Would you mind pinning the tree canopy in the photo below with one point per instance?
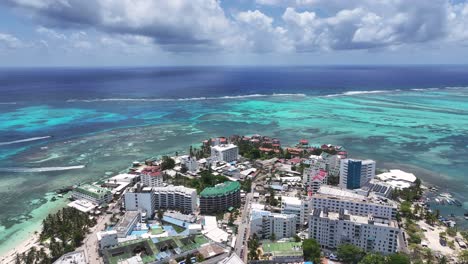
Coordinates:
(311, 249)
(350, 254)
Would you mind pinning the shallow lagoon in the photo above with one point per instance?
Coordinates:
(421, 131)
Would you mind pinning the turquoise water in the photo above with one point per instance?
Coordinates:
(423, 131)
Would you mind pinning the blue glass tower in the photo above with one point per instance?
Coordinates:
(354, 174)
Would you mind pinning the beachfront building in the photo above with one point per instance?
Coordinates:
(226, 153)
(92, 193)
(176, 198)
(354, 174)
(149, 200)
(189, 163)
(331, 229)
(397, 179)
(265, 224)
(220, 197)
(152, 176)
(140, 199)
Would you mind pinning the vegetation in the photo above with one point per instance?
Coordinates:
(333, 180)
(350, 254)
(451, 231)
(311, 249)
(463, 256)
(273, 237)
(409, 194)
(398, 258)
(207, 179)
(65, 229)
(246, 185)
(414, 232)
(253, 245)
(296, 238)
(167, 163)
(160, 214)
(272, 200)
(373, 259)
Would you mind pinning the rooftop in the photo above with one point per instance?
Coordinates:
(344, 194)
(221, 189)
(283, 248)
(359, 219)
(397, 178)
(223, 147)
(75, 257)
(93, 190)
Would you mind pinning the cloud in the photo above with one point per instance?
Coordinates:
(367, 27)
(203, 25)
(9, 41)
(258, 31)
(172, 23)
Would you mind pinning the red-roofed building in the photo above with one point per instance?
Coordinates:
(314, 178)
(151, 176)
(295, 151)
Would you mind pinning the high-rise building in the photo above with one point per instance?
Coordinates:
(226, 153)
(140, 199)
(150, 200)
(354, 174)
(265, 224)
(220, 197)
(371, 234)
(336, 199)
(175, 197)
(151, 176)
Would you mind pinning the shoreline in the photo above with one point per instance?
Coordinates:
(26, 234)
(10, 256)
(20, 240)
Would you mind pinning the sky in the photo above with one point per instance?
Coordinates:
(235, 32)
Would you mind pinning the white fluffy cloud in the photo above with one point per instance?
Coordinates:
(10, 41)
(305, 25)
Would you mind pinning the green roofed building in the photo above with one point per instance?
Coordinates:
(220, 197)
(92, 193)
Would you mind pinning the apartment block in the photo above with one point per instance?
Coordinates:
(371, 234)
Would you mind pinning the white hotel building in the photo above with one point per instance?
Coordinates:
(175, 197)
(265, 224)
(151, 200)
(226, 153)
(332, 229)
(336, 199)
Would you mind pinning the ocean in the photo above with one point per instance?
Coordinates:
(63, 126)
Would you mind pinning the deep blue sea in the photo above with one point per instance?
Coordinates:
(62, 126)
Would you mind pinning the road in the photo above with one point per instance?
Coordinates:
(90, 243)
(243, 232)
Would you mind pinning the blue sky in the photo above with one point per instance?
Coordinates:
(243, 32)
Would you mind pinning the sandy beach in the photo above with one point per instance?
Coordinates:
(31, 241)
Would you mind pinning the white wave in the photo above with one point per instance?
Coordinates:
(23, 140)
(7, 103)
(42, 169)
(361, 92)
(186, 99)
